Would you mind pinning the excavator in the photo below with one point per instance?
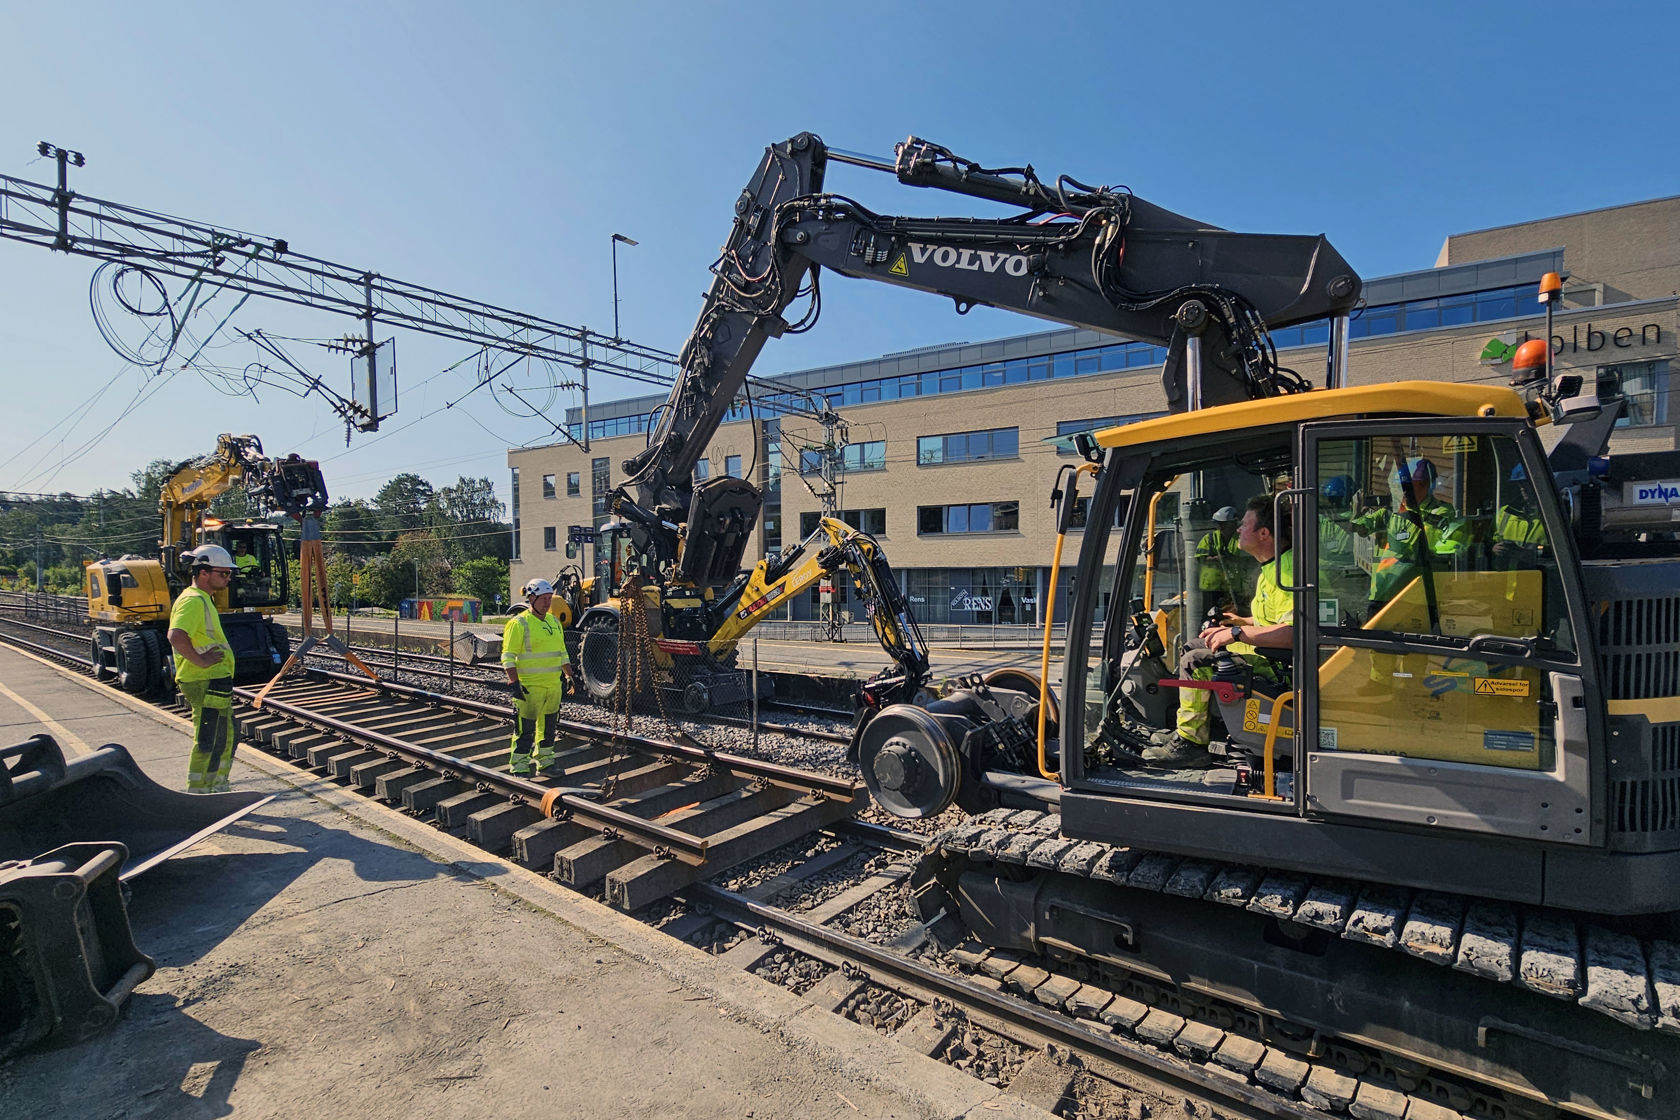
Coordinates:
(1434, 843)
(693, 632)
(129, 598)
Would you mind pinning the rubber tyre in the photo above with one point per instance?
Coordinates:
(96, 654)
(134, 665)
(597, 660)
(155, 648)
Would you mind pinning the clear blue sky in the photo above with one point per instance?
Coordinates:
(492, 150)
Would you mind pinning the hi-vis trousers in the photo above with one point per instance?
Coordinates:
(212, 753)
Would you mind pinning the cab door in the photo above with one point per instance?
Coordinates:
(1438, 605)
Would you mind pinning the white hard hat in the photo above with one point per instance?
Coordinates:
(209, 556)
(538, 587)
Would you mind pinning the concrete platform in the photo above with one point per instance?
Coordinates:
(330, 957)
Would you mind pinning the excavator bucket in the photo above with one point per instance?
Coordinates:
(67, 956)
(47, 801)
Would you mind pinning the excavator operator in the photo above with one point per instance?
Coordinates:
(535, 659)
(1271, 625)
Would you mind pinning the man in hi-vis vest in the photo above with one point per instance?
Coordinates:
(204, 667)
(534, 656)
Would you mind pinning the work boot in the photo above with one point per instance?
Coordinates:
(1179, 754)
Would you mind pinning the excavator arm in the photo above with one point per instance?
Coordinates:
(292, 485)
(1097, 257)
(832, 547)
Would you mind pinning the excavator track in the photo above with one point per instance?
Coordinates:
(1582, 1017)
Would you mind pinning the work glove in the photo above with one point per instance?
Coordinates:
(518, 690)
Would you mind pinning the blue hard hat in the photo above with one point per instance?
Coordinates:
(1337, 489)
(1518, 474)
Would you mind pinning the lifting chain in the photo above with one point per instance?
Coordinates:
(634, 673)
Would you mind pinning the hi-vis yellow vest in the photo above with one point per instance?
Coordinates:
(536, 647)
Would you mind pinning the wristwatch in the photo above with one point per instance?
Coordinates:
(1236, 633)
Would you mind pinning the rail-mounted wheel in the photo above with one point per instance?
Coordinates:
(909, 763)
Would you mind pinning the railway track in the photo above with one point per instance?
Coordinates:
(724, 852)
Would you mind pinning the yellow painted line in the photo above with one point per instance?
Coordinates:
(1660, 709)
(65, 736)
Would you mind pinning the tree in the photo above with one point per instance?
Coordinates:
(383, 582)
(423, 555)
(403, 501)
(483, 578)
(468, 517)
(352, 528)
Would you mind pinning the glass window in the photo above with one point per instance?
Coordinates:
(930, 449)
(1457, 310)
(950, 381)
(1422, 314)
(1436, 535)
(909, 387)
(874, 522)
(1038, 369)
(1644, 384)
(810, 460)
(702, 470)
(971, 377)
(549, 536)
(600, 482)
(956, 519)
(1087, 362)
(732, 466)
(871, 391)
(1314, 334)
(1015, 371)
(930, 519)
(808, 524)
(1006, 443)
(1442, 540)
(1006, 516)
(1287, 337)
(1496, 305)
(548, 486)
(573, 484)
(515, 494)
(1061, 365)
(870, 456)
(1381, 320)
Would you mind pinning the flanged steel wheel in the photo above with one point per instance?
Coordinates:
(909, 763)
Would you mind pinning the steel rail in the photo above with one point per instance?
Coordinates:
(803, 780)
(1240, 1099)
(557, 801)
(495, 681)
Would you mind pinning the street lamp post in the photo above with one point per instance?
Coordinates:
(616, 238)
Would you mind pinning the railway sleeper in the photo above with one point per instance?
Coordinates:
(1293, 950)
